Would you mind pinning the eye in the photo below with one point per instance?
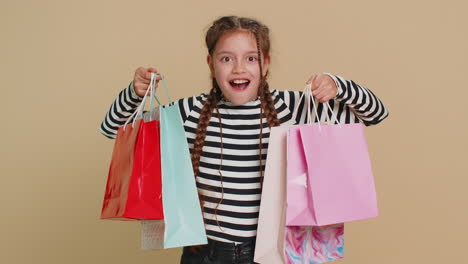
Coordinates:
(252, 58)
(225, 59)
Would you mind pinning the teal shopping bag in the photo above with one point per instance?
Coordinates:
(183, 221)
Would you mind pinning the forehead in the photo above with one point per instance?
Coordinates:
(236, 42)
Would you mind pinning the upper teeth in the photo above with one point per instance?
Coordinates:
(239, 81)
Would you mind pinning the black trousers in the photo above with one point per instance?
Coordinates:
(217, 252)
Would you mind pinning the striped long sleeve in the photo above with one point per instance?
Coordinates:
(352, 104)
(363, 102)
(125, 105)
(121, 109)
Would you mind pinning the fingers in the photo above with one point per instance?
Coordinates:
(142, 79)
(148, 73)
(151, 70)
(318, 82)
(324, 93)
(324, 98)
(323, 88)
(144, 75)
(319, 91)
(313, 80)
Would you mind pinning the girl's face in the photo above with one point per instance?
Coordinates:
(234, 64)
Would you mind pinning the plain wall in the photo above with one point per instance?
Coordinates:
(64, 62)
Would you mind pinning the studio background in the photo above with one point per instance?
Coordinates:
(64, 62)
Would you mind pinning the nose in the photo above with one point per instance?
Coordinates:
(239, 67)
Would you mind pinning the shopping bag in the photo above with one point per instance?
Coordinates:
(329, 177)
(314, 244)
(183, 222)
(269, 246)
(133, 189)
(277, 243)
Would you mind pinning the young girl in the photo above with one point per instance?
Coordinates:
(228, 129)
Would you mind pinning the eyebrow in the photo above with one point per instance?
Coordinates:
(227, 52)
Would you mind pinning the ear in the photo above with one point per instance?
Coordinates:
(266, 64)
(209, 61)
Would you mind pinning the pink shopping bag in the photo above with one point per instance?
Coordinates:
(330, 178)
(276, 242)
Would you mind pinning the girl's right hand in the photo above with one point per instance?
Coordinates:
(142, 80)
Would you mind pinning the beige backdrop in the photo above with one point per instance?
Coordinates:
(63, 62)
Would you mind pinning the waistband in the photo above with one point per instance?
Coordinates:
(231, 246)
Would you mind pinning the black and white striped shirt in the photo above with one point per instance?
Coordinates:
(237, 215)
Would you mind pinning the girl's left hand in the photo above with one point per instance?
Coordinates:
(323, 87)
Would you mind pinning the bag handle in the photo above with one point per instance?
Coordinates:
(307, 93)
(154, 80)
(151, 89)
(153, 95)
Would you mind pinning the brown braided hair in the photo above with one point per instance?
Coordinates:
(218, 28)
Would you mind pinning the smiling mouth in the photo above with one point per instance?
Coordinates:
(239, 86)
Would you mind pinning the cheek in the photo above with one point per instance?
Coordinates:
(221, 72)
(254, 68)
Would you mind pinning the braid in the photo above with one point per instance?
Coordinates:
(203, 122)
(206, 112)
(269, 108)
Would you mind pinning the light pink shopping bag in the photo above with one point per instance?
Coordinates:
(269, 247)
(339, 173)
(329, 171)
(276, 242)
(299, 205)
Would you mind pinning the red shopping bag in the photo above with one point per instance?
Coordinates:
(134, 187)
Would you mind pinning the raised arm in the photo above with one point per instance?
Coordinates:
(123, 106)
(362, 101)
(350, 102)
(131, 97)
